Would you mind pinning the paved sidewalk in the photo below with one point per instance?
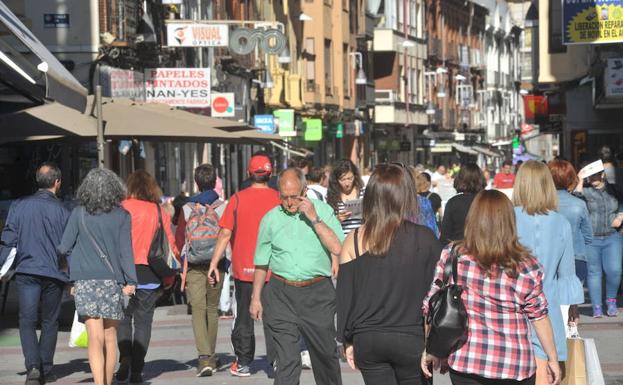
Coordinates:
(171, 357)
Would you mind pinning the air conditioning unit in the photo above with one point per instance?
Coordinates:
(385, 96)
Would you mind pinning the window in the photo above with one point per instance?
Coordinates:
(328, 70)
(414, 85)
(555, 27)
(346, 60)
(412, 17)
(310, 63)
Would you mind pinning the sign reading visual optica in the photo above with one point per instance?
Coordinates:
(179, 87)
(197, 35)
(592, 21)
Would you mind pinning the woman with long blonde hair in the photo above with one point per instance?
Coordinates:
(548, 236)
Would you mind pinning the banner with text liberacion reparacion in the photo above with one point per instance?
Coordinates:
(592, 21)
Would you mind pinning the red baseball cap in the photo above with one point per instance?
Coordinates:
(260, 165)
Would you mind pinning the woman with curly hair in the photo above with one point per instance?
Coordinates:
(98, 241)
(345, 184)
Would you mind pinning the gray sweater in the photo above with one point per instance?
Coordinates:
(112, 232)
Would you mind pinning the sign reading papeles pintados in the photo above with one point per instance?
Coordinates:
(592, 21)
(178, 87)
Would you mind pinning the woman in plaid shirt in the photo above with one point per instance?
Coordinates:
(503, 295)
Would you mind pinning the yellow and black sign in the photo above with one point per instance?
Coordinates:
(592, 21)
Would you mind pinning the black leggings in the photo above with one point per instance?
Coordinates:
(389, 358)
(458, 378)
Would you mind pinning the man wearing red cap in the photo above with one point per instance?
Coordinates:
(239, 225)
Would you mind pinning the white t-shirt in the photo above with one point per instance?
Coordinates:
(316, 191)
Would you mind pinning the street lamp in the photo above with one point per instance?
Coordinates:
(284, 56)
(460, 78)
(361, 78)
(430, 109)
(305, 17)
(268, 79)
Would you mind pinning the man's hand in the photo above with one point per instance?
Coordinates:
(256, 309)
(335, 267)
(214, 276)
(129, 290)
(307, 208)
(349, 354)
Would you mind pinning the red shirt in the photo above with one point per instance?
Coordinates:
(251, 205)
(499, 310)
(502, 180)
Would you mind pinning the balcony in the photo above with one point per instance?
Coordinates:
(385, 96)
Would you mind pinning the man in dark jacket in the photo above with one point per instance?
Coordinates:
(34, 227)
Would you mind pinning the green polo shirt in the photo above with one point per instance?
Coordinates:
(289, 246)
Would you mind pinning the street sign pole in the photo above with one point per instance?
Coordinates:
(100, 126)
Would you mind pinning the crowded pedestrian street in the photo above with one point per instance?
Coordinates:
(298, 192)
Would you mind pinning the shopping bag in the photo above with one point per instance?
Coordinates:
(575, 367)
(78, 337)
(594, 375)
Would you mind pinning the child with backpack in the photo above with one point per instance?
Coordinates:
(196, 235)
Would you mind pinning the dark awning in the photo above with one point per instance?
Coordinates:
(27, 66)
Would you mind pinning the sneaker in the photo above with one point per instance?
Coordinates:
(305, 360)
(612, 310)
(136, 378)
(239, 370)
(33, 377)
(49, 377)
(204, 368)
(597, 312)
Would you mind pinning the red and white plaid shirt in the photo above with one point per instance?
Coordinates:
(499, 310)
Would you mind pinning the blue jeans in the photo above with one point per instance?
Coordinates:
(33, 290)
(581, 270)
(605, 254)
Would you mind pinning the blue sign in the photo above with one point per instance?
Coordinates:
(265, 123)
(56, 20)
(592, 21)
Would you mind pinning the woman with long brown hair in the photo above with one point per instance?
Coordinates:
(503, 295)
(386, 267)
(345, 184)
(134, 333)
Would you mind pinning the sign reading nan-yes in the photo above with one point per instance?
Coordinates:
(178, 87)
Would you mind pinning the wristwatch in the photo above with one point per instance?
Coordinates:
(316, 221)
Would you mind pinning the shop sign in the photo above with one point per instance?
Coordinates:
(270, 41)
(55, 20)
(536, 109)
(178, 87)
(120, 83)
(592, 21)
(441, 147)
(197, 35)
(313, 130)
(222, 105)
(285, 122)
(405, 146)
(264, 123)
(613, 78)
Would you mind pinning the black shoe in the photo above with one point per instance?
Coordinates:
(122, 373)
(49, 377)
(33, 377)
(136, 378)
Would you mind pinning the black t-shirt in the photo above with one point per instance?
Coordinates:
(454, 215)
(385, 293)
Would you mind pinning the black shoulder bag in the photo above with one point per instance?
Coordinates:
(157, 258)
(447, 317)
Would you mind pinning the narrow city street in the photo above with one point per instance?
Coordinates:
(171, 358)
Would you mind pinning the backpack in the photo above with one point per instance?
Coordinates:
(317, 194)
(201, 232)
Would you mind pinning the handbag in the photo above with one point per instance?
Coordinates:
(594, 375)
(159, 257)
(78, 337)
(575, 366)
(447, 317)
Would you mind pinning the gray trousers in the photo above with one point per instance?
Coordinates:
(291, 312)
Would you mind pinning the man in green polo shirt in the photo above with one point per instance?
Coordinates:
(299, 241)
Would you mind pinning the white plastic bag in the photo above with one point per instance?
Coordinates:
(594, 374)
(8, 264)
(78, 337)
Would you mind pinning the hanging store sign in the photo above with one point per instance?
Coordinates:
(244, 40)
(285, 122)
(222, 105)
(536, 109)
(265, 123)
(120, 83)
(55, 20)
(613, 78)
(592, 21)
(178, 87)
(197, 35)
(313, 130)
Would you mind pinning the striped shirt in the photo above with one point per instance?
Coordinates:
(349, 224)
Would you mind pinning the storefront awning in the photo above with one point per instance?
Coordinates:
(464, 149)
(27, 66)
(487, 152)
